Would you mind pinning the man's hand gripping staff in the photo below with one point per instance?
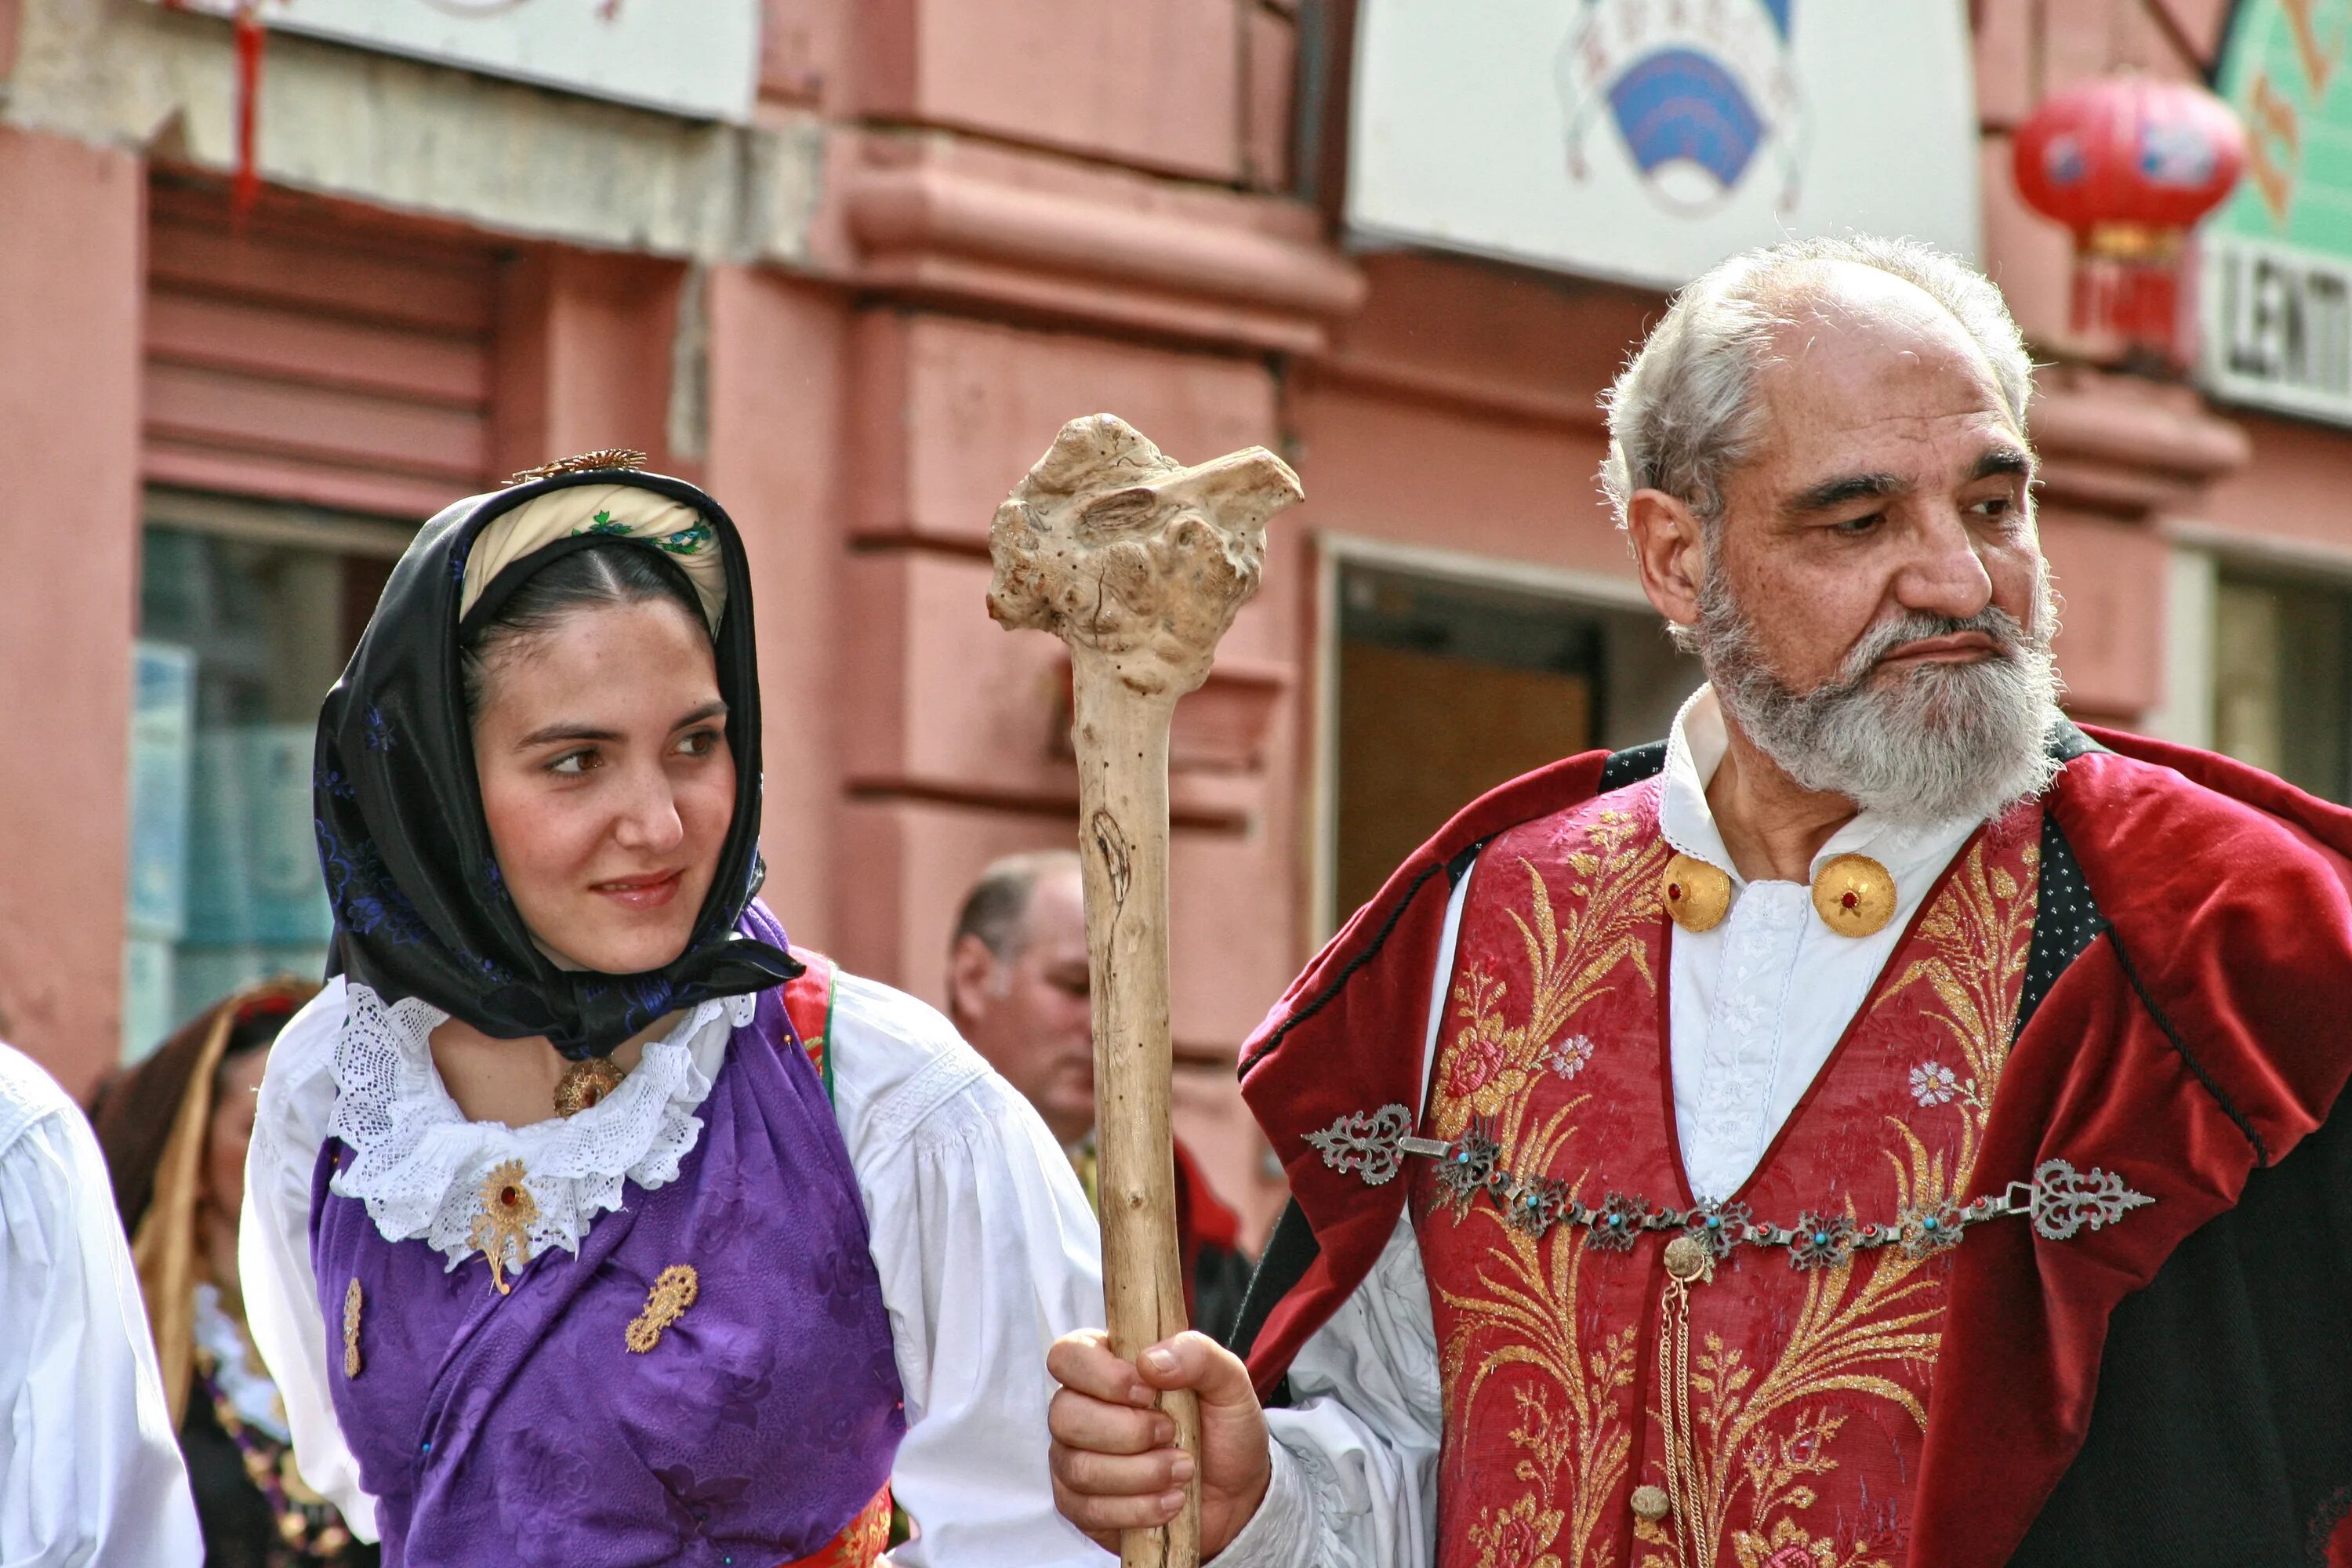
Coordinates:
(1138, 564)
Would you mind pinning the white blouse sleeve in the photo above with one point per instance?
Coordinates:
(987, 1253)
(1355, 1462)
(273, 1250)
(90, 1468)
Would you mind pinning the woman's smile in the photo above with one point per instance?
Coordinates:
(652, 891)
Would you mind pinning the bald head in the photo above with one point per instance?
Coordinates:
(1683, 414)
(1018, 984)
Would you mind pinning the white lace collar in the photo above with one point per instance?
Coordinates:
(418, 1164)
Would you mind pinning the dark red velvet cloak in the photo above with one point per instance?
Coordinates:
(2198, 1036)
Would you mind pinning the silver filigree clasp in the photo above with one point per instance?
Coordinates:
(1365, 1145)
(1372, 1143)
(2063, 1200)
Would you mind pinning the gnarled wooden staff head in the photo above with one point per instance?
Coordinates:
(1122, 551)
(1138, 562)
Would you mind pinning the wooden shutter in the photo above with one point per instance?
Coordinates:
(315, 355)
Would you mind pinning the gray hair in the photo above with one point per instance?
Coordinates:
(1681, 414)
(996, 910)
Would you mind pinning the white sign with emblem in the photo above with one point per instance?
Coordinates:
(698, 58)
(1646, 140)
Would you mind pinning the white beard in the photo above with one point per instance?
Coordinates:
(1941, 742)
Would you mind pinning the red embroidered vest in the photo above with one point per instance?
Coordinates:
(808, 1003)
(1807, 1387)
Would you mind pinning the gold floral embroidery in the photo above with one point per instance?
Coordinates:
(1491, 1060)
(351, 1301)
(1530, 1291)
(1517, 1536)
(505, 1222)
(673, 1292)
(1762, 1434)
(1788, 1546)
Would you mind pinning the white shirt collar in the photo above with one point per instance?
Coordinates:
(1695, 750)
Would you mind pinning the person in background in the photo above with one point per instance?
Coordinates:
(88, 1473)
(1018, 990)
(174, 1131)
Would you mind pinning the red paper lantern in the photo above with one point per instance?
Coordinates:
(2130, 163)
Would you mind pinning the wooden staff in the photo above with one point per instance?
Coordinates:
(1138, 562)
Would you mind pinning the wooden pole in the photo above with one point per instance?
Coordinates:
(1138, 564)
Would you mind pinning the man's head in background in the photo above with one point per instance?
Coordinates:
(1018, 988)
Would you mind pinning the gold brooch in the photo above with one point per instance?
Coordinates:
(1698, 895)
(1854, 895)
(585, 1083)
(585, 463)
(665, 1304)
(507, 1211)
(351, 1330)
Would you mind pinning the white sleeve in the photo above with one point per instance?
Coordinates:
(91, 1475)
(987, 1253)
(1355, 1462)
(273, 1250)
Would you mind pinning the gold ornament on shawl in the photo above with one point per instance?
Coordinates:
(351, 1302)
(601, 458)
(505, 1222)
(585, 1083)
(665, 1304)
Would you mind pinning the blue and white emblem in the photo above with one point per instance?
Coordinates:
(1698, 91)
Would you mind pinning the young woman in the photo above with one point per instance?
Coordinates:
(587, 1221)
(174, 1130)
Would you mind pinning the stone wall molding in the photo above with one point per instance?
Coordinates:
(1102, 249)
(2128, 447)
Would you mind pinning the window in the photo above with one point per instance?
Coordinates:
(2281, 698)
(247, 615)
(1447, 685)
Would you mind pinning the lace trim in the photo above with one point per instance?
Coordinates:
(417, 1163)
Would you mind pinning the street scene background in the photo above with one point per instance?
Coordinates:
(279, 280)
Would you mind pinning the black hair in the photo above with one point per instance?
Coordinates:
(609, 571)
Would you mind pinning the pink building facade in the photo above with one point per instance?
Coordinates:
(949, 226)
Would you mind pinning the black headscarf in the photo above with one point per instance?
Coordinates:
(420, 908)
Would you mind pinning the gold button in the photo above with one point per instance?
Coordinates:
(1696, 895)
(1651, 1504)
(1854, 895)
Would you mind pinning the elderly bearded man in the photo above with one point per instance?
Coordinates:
(1882, 1124)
